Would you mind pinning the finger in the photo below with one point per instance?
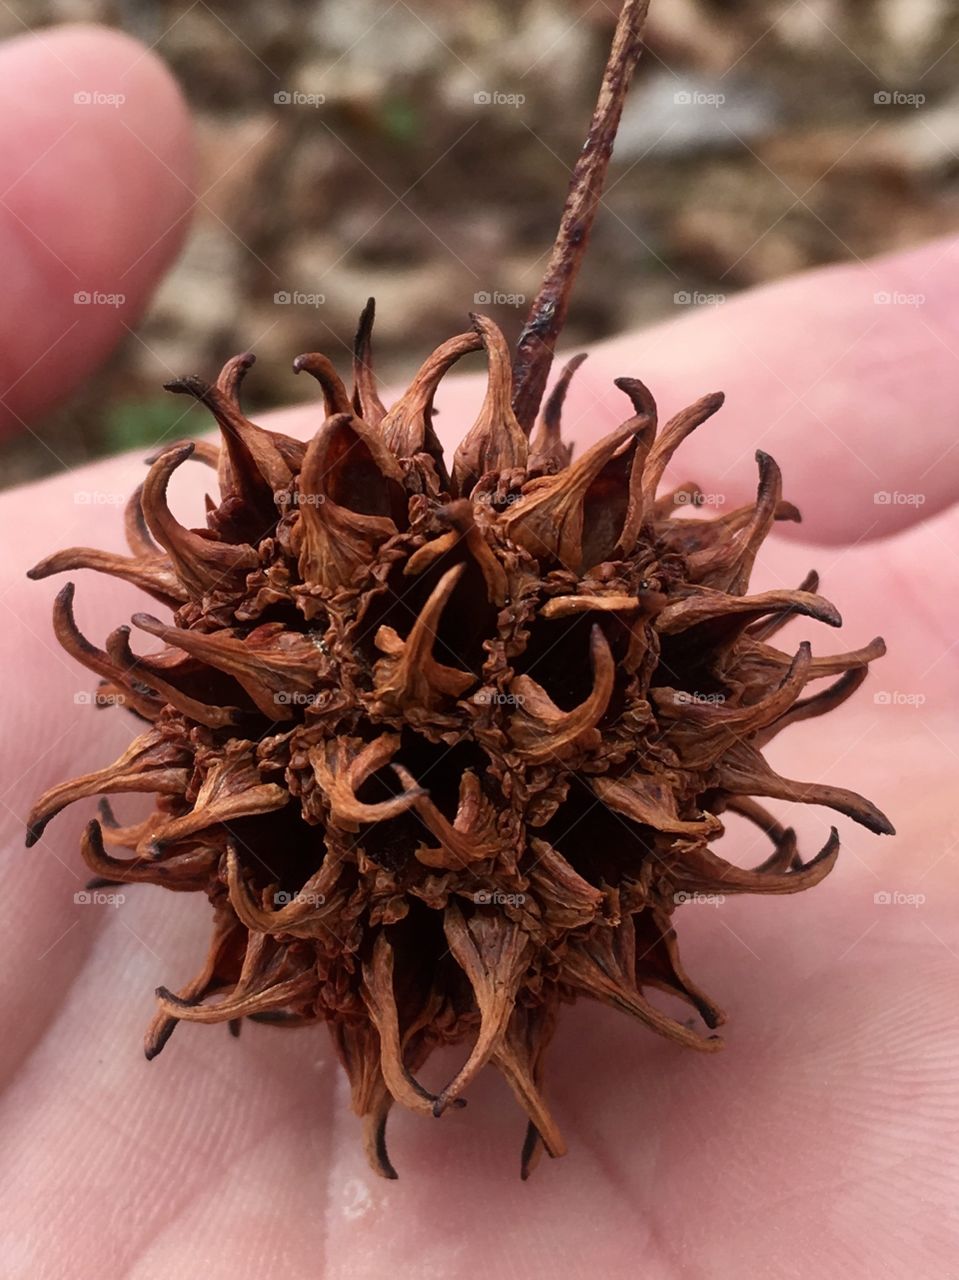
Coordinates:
(95, 167)
(854, 397)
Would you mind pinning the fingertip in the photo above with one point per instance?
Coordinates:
(96, 173)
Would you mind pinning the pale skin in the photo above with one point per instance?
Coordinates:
(822, 1141)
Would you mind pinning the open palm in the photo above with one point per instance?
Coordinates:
(822, 1140)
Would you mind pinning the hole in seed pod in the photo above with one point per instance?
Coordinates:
(557, 657)
(279, 847)
(438, 769)
(289, 616)
(598, 844)
(683, 666)
(467, 620)
(604, 512)
(353, 480)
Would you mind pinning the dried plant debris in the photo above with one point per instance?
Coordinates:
(445, 741)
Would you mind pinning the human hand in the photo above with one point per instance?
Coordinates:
(832, 1113)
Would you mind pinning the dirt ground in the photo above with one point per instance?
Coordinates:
(419, 151)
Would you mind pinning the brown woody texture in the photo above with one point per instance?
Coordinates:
(445, 742)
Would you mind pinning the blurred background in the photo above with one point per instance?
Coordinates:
(419, 151)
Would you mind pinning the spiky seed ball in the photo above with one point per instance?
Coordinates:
(446, 748)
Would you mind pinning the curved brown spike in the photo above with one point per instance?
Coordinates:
(519, 1059)
(202, 563)
(717, 541)
(230, 378)
(303, 916)
(192, 871)
(107, 817)
(135, 527)
(366, 400)
(707, 605)
(225, 931)
(275, 996)
(408, 427)
(380, 1000)
(697, 869)
(332, 540)
(226, 795)
(671, 437)
(255, 463)
(335, 395)
(150, 764)
(728, 565)
(539, 730)
(594, 967)
(341, 769)
(204, 451)
(494, 952)
(152, 575)
(636, 511)
(214, 717)
(547, 451)
(111, 831)
(642, 399)
(563, 895)
(646, 799)
(271, 664)
(743, 771)
(698, 724)
(74, 642)
(549, 519)
(459, 514)
(471, 837)
(832, 664)
(768, 627)
(658, 963)
(496, 441)
(826, 700)
(357, 1048)
(547, 315)
(785, 854)
(374, 1135)
(567, 606)
(408, 674)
